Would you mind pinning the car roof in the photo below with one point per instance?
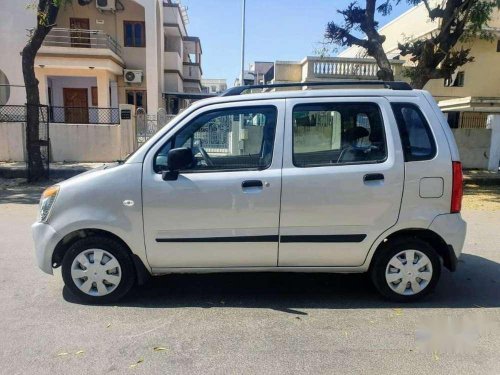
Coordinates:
(316, 93)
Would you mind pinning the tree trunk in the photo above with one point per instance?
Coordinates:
(419, 81)
(46, 16)
(35, 162)
(385, 73)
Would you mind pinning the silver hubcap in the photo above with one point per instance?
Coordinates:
(96, 272)
(409, 272)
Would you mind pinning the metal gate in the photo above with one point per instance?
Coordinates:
(147, 125)
(41, 153)
(215, 135)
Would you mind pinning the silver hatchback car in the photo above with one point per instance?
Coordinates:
(364, 179)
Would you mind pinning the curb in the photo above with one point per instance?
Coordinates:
(58, 173)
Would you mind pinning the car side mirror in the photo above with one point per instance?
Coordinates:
(177, 158)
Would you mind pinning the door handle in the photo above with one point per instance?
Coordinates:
(251, 183)
(373, 177)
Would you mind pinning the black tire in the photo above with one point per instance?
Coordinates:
(128, 274)
(384, 255)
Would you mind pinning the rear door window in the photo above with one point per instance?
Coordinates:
(337, 133)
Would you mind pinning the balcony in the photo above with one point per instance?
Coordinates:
(191, 72)
(78, 48)
(174, 19)
(173, 61)
(317, 68)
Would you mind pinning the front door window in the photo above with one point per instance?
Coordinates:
(235, 139)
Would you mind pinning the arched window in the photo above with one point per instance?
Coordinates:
(4, 88)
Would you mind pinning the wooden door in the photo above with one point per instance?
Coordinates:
(76, 106)
(80, 36)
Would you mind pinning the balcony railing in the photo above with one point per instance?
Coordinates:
(342, 67)
(80, 38)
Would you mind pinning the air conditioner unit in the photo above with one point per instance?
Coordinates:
(106, 5)
(132, 76)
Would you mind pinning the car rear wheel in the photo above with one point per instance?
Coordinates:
(406, 270)
(98, 270)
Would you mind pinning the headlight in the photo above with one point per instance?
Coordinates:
(47, 201)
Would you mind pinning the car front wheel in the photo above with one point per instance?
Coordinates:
(406, 270)
(98, 270)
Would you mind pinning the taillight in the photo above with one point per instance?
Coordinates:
(457, 189)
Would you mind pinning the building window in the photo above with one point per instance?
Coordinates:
(457, 81)
(137, 98)
(4, 88)
(134, 34)
(453, 119)
(94, 96)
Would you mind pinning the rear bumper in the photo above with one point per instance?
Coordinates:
(46, 239)
(452, 228)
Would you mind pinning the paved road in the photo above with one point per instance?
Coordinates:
(247, 323)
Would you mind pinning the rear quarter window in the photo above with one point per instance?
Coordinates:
(414, 130)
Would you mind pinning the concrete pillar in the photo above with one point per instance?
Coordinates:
(152, 61)
(493, 123)
(127, 131)
(114, 94)
(103, 99)
(43, 89)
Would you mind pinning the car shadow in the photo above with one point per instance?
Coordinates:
(475, 284)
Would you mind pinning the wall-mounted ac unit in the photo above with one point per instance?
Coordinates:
(106, 5)
(132, 76)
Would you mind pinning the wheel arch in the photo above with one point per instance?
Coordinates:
(143, 274)
(427, 235)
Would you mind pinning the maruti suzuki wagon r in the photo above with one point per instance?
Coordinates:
(329, 180)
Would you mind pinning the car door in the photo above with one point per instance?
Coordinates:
(343, 175)
(223, 211)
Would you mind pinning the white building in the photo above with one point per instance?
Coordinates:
(130, 52)
(213, 86)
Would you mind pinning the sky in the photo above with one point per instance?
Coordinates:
(286, 30)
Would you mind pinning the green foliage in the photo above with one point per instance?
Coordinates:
(479, 16)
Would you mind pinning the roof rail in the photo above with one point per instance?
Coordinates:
(393, 85)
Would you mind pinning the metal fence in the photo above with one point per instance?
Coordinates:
(473, 120)
(61, 115)
(84, 115)
(13, 113)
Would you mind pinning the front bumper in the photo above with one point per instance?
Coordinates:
(452, 228)
(46, 239)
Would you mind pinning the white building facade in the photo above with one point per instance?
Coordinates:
(133, 52)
